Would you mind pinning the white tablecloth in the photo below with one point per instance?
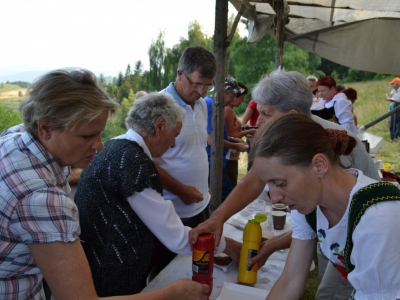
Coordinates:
(181, 266)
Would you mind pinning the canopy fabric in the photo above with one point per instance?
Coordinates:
(361, 34)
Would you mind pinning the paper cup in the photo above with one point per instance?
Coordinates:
(279, 219)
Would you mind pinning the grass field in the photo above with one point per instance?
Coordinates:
(9, 95)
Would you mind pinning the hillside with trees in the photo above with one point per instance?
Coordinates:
(246, 62)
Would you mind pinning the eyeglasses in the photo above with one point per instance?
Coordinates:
(199, 87)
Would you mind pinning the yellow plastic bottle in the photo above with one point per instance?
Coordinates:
(251, 245)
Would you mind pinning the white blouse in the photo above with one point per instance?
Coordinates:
(375, 254)
(159, 214)
(343, 111)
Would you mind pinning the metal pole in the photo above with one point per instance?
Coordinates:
(377, 120)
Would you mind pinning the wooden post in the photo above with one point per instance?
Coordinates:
(279, 7)
(217, 136)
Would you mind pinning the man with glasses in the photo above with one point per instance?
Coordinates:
(184, 168)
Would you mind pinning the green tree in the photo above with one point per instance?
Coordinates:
(116, 126)
(137, 81)
(171, 62)
(120, 79)
(157, 52)
(196, 37)
(250, 61)
(102, 80)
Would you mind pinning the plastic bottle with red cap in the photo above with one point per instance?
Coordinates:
(203, 260)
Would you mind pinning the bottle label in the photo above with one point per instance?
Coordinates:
(250, 254)
(201, 261)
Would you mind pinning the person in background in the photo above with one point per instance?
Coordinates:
(250, 117)
(340, 106)
(120, 202)
(340, 87)
(64, 114)
(277, 94)
(141, 94)
(251, 114)
(230, 143)
(354, 218)
(394, 119)
(235, 130)
(312, 83)
(317, 108)
(351, 94)
(184, 169)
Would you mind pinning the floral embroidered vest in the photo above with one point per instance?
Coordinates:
(369, 195)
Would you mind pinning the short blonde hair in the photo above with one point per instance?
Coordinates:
(63, 98)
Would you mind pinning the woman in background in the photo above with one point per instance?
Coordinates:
(340, 106)
(235, 130)
(351, 94)
(250, 117)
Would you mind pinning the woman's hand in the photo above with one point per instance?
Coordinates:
(212, 225)
(232, 249)
(187, 289)
(189, 195)
(268, 247)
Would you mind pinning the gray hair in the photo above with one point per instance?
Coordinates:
(147, 109)
(64, 98)
(284, 91)
(140, 94)
(312, 78)
(199, 59)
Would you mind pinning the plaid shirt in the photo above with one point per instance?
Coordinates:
(34, 208)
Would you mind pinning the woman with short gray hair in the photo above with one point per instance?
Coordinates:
(121, 204)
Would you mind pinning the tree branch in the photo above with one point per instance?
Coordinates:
(235, 23)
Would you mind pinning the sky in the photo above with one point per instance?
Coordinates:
(100, 35)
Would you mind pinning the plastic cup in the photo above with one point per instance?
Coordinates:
(279, 219)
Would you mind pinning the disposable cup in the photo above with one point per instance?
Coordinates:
(279, 219)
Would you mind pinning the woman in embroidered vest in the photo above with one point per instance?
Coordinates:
(120, 201)
(337, 102)
(64, 115)
(299, 160)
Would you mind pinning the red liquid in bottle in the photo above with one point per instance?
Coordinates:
(203, 260)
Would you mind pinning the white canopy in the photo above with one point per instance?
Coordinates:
(361, 34)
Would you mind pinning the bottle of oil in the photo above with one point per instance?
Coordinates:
(251, 245)
(203, 260)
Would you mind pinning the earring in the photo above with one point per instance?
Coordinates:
(320, 176)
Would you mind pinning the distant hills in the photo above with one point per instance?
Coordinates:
(31, 75)
(23, 76)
